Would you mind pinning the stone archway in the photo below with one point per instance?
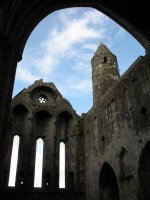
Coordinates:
(19, 18)
(144, 173)
(108, 186)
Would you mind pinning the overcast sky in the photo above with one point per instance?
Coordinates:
(61, 47)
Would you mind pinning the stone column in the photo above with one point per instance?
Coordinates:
(55, 159)
(23, 172)
(48, 153)
(8, 63)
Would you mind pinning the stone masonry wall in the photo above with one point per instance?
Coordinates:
(117, 129)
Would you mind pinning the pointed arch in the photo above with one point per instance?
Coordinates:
(65, 112)
(64, 124)
(42, 119)
(29, 22)
(19, 115)
(20, 106)
(38, 163)
(42, 112)
(108, 186)
(14, 161)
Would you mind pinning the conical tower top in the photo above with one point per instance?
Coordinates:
(102, 48)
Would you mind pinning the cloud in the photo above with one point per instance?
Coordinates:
(95, 17)
(25, 75)
(73, 87)
(89, 15)
(66, 38)
(45, 65)
(66, 41)
(91, 47)
(82, 86)
(66, 51)
(120, 33)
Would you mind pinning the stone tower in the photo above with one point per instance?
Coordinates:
(105, 71)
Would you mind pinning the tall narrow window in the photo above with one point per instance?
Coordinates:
(38, 163)
(14, 161)
(62, 165)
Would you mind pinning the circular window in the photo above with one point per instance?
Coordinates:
(42, 99)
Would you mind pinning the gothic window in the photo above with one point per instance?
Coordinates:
(105, 59)
(38, 163)
(62, 165)
(42, 99)
(14, 161)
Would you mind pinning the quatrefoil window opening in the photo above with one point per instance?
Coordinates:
(42, 99)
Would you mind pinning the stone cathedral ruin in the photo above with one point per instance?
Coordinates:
(106, 149)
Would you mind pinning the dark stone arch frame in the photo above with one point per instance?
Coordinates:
(10, 54)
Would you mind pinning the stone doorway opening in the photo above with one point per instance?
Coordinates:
(144, 173)
(108, 186)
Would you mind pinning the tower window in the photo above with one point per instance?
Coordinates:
(105, 59)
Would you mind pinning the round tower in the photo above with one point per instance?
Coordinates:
(105, 71)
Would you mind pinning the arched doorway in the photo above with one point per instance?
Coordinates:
(108, 186)
(144, 173)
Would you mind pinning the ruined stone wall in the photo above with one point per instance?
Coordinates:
(40, 112)
(115, 132)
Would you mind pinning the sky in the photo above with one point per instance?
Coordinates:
(61, 47)
(60, 50)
